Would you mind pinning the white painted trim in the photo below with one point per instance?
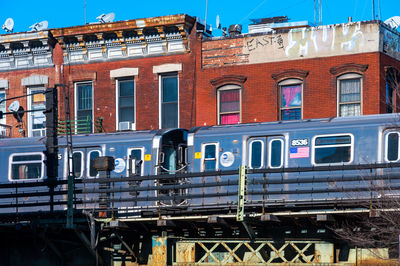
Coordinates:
(343, 77)
(290, 82)
(203, 154)
(10, 163)
(35, 80)
(76, 105)
(160, 77)
(82, 163)
(227, 88)
(124, 72)
(88, 162)
(142, 158)
(117, 103)
(329, 146)
(29, 106)
(386, 146)
(165, 68)
(253, 140)
(270, 152)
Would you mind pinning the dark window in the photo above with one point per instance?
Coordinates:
(77, 164)
(26, 166)
(333, 149)
(93, 155)
(291, 102)
(126, 101)
(169, 101)
(256, 154)
(210, 159)
(276, 153)
(84, 107)
(393, 147)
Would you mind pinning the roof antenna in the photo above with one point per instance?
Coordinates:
(205, 20)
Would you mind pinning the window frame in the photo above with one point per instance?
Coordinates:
(10, 163)
(203, 154)
(290, 82)
(30, 90)
(142, 158)
(4, 119)
(346, 76)
(117, 100)
(270, 152)
(161, 76)
(76, 102)
(88, 163)
(327, 146)
(387, 146)
(82, 163)
(228, 87)
(251, 153)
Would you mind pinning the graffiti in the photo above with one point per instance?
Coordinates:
(263, 41)
(391, 43)
(346, 37)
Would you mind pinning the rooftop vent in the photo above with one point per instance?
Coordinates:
(235, 30)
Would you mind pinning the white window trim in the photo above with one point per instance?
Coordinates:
(251, 153)
(327, 146)
(117, 101)
(203, 154)
(2, 89)
(348, 76)
(229, 87)
(76, 105)
(386, 146)
(270, 152)
(29, 106)
(290, 82)
(142, 166)
(160, 77)
(10, 163)
(82, 164)
(88, 163)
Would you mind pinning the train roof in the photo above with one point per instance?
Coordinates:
(98, 138)
(309, 124)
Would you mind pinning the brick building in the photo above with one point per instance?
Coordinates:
(167, 72)
(295, 72)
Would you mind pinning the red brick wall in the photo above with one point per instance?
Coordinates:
(260, 95)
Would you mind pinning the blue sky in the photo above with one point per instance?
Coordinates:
(72, 12)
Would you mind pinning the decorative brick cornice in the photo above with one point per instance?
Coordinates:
(346, 68)
(228, 79)
(290, 73)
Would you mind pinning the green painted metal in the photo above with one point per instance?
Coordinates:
(81, 126)
(241, 193)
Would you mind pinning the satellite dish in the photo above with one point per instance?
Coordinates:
(39, 26)
(8, 25)
(14, 106)
(393, 22)
(105, 18)
(217, 23)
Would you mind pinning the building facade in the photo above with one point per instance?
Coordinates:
(167, 72)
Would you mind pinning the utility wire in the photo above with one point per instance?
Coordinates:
(262, 3)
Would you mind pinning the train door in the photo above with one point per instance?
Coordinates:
(83, 168)
(265, 152)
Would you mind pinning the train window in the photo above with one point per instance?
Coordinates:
(276, 153)
(26, 166)
(137, 155)
(256, 154)
(333, 149)
(392, 148)
(93, 155)
(210, 157)
(77, 158)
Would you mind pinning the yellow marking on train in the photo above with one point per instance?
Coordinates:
(197, 155)
(147, 157)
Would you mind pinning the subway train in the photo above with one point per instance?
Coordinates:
(289, 163)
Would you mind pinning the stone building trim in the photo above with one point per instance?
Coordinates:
(124, 72)
(290, 73)
(35, 80)
(167, 68)
(228, 79)
(82, 76)
(4, 84)
(347, 68)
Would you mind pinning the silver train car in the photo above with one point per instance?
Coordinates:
(22, 160)
(270, 150)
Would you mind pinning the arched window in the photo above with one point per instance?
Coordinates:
(229, 104)
(290, 91)
(349, 87)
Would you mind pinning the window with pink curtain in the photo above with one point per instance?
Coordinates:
(291, 102)
(229, 106)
